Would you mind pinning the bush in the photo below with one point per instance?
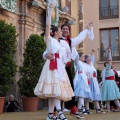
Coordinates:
(8, 66)
(32, 65)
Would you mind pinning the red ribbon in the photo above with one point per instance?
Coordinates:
(53, 62)
(88, 81)
(94, 74)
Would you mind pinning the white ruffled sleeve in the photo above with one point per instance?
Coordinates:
(77, 40)
(45, 52)
(47, 40)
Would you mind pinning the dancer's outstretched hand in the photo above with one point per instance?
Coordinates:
(109, 49)
(93, 51)
(89, 25)
(52, 3)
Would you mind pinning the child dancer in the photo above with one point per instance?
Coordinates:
(81, 86)
(54, 82)
(94, 87)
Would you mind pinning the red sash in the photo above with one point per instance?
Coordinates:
(110, 78)
(80, 72)
(53, 62)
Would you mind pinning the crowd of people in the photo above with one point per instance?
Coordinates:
(56, 82)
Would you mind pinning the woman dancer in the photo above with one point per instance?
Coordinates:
(53, 82)
(81, 85)
(109, 89)
(94, 87)
(72, 42)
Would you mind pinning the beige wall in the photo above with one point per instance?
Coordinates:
(91, 13)
(74, 13)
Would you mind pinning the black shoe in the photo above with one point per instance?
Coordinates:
(61, 115)
(77, 115)
(80, 111)
(87, 112)
(99, 111)
(52, 117)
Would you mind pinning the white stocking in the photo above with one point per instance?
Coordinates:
(58, 107)
(108, 104)
(80, 102)
(96, 104)
(87, 105)
(57, 103)
(51, 105)
(117, 103)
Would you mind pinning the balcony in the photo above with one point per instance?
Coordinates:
(102, 53)
(109, 13)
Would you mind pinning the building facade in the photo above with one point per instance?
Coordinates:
(105, 15)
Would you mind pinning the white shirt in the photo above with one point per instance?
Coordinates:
(77, 40)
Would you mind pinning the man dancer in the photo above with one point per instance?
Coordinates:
(72, 43)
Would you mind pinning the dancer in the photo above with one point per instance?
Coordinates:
(113, 107)
(94, 87)
(109, 89)
(81, 84)
(72, 43)
(53, 82)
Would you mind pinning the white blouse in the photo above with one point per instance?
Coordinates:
(53, 46)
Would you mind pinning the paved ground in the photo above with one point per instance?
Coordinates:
(41, 115)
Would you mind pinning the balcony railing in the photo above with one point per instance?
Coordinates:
(115, 54)
(109, 13)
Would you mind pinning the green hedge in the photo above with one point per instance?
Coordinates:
(32, 65)
(8, 66)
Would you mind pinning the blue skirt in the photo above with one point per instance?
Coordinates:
(109, 90)
(79, 88)
(95, 90)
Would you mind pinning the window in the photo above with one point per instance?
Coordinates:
(110, 38)
(109, 9)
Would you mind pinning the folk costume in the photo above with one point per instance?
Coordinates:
(94, 86)
(109, 89)
(54, 81)
(92, 76)
(81, 84)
